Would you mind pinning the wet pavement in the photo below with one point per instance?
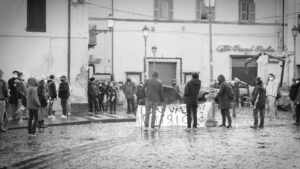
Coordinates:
(122, 145)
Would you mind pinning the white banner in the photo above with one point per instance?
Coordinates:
(175, 115)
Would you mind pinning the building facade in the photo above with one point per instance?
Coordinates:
(241, 29)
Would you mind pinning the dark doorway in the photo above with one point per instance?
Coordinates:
(166, 70)
(239, 70)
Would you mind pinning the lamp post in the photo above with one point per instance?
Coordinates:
(110, 25)
(145, 35)
(295, 33)
(210, 4)
(154, 49)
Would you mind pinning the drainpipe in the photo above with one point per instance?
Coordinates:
(283, 11)
(69, 39)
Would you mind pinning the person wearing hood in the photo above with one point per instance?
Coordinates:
(191, 92)
(13, 99)
(224, 101)
(129, 91)
(258, 101)
(33, 105)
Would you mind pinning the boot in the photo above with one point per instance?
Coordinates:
(43, 124)
(40, 124)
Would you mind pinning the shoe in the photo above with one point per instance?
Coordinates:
(261, 127)
(69, 114)
(31, 134)
(63, 117)
(253, 127)
(229, 126)
(296, 123)
(222, 125)
(53, 116)
(234, 116)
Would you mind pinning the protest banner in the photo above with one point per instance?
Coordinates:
(175, 115)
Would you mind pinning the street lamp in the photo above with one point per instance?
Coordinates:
(154, 49)
(210, 4)
(295, 33)
(145, 35)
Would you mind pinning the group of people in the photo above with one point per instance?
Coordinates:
(36, 96)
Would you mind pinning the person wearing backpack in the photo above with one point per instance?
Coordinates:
(258, 101)
(293, 94)
(297, 102)
(224, 98)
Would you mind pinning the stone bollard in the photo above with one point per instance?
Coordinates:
(211, 117)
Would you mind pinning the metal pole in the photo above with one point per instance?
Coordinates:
(210, 45)
(69, 40)
(112, 44)
(154, 63)
(145, 56)
(295, 67)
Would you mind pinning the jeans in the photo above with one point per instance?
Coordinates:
(130, 105)
(297, 113)
(113, 105)
(93, 104)
(225, 113)
(50, 106)
(150, 106)
(12, 111)
(2, 109)
(191, 109)
(42, 113)
(64, 105)
(33, 115)
(261, 111)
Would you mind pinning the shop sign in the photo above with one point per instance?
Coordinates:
(238, 48)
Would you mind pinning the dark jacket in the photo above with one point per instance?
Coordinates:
(140, 93)
(21, 89)
(129, 89)
(42, 92)
(154, 90)
(92, 89)
(258, 99)
(191, 91)
(52, 89)
(112, 93)
(297, 100)
(222, 98)
(13, 99)
(64, 90)
(31, 95)
(3, 90)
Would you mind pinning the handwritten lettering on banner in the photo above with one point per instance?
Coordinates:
(175, 115)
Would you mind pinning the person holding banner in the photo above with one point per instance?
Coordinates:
(224, 101)
(191, 91)
(154, 96)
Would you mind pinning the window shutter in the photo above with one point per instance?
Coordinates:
(170, 4)
(36, 15)
(156, 9)
(252, 12)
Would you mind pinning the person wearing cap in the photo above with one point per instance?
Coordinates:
(154, 96)
(52, 95)
(3, 97)
(13, 99)
(93, 94)
(63, 94)
(129, 91)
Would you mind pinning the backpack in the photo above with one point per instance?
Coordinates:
(293, 92)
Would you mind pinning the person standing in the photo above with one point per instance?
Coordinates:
(63, 94)
(42, 92)
(191, 92)
(271, 89)
(52, 95)
(224, 101)
(33, 105)
(21, 94)
(293, 94)
(154, 95)
(140, 94)
(13, 99)
(236, 98)
(112, 97)
(258, 101)
(93, 94)
(176, 88)
(101, 97)
(3, 97)
(297, 102)
(129, 91)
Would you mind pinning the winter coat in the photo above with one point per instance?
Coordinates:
(140, 93)
(3, 90)
(154, 90)
(293, 91)
(112, 93)
(13, 99)
(52, 89)
(31, 95)
(222, 98)
(21, 89)
(129, 89)
(258, 99)
(92, 89)
(297, 100)
(64, 90)
(191, 92)
(42, 91)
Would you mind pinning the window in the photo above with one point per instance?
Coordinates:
(202, 11)
(247, 10)
(163, 9)
(36, 15)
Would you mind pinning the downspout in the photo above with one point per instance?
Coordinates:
(283, 11)
(69, 39)
(112, 44)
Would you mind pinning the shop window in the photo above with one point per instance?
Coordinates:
(163, 9)
(202, 11)
(246, 11)
(36, 15)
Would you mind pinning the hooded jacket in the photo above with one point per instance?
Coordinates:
(64, 90)
(129, 89)
(222, 98)
(258, 99)
(154, 90)
(42, 91)
(191, 92)
(31, 95)
(52, 89)
(92, 89)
